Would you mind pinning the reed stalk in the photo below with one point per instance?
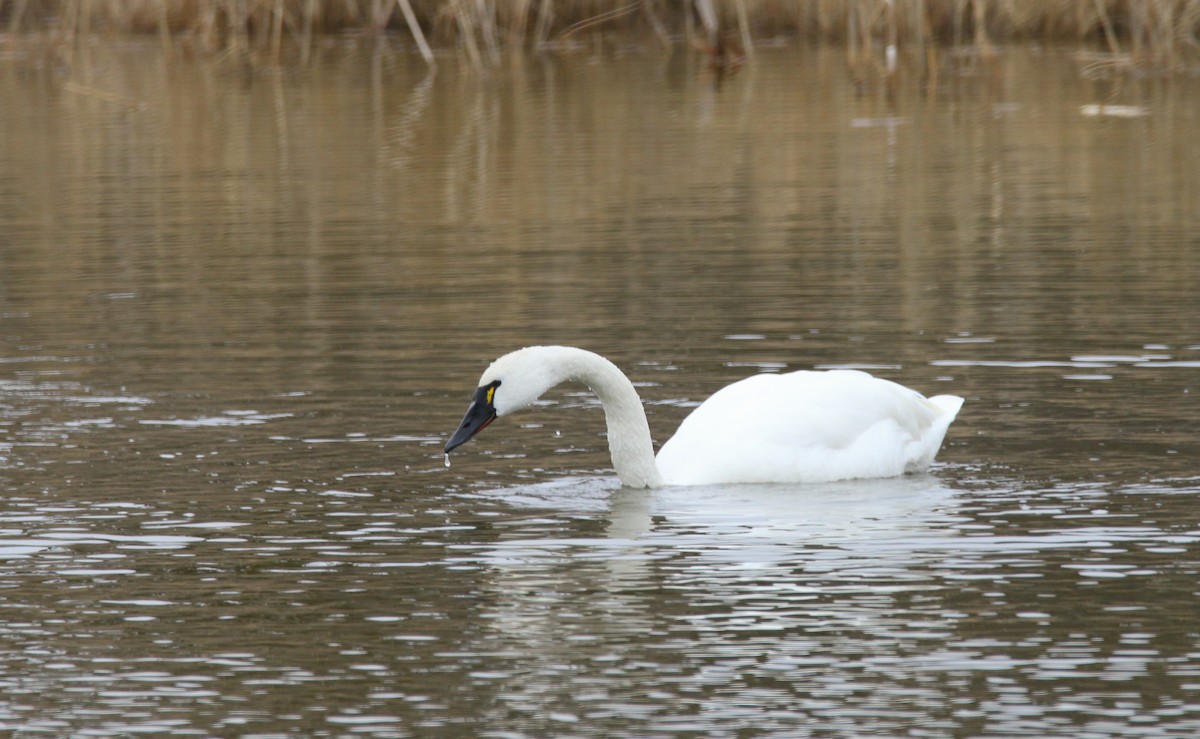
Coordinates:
(1157, 33)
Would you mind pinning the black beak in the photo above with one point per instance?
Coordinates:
(479, 415)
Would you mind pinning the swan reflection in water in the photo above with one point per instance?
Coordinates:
(711, 537)
(669, 590)
(847, 513)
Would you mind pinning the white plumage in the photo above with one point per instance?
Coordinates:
(806, 426)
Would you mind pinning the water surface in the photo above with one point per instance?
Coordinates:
(241, 308)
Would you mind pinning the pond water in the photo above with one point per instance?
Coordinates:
(241, 308)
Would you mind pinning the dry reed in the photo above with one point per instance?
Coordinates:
(1159, 33)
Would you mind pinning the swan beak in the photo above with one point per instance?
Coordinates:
(479, 415)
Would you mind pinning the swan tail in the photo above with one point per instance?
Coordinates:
(949, 405)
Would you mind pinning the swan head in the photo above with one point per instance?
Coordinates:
(513, 382)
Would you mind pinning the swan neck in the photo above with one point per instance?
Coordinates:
(629, 440)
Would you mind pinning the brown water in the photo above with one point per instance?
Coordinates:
(243, 307)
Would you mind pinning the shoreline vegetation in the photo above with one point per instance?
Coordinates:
(1162, 35)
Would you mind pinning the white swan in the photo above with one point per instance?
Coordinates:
(806, 426)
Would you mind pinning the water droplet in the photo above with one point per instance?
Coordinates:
(558, 433)
(447, 461)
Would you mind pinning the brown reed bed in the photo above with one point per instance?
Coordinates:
(1163, 34)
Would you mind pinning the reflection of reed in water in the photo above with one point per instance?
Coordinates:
(1159, 34)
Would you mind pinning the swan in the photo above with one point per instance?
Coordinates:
(799, 427)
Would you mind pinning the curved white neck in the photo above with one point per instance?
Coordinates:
(628, 430)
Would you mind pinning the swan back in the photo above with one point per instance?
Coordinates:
(807, 426)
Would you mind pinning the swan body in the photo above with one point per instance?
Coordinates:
(804, 426)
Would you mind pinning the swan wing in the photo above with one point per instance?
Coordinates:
(807, 426)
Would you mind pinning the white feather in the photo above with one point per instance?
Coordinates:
(807, 427)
